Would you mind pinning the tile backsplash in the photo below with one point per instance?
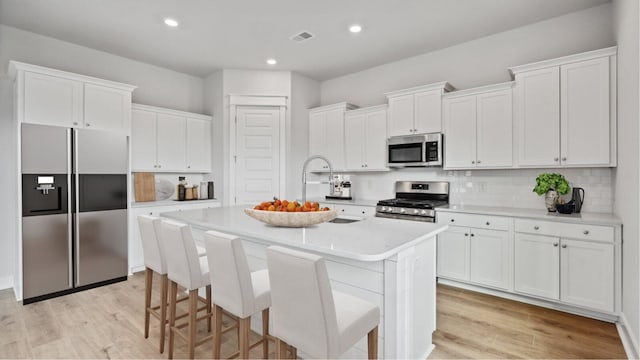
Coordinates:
(511, 188)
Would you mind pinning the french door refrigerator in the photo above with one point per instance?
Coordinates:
(74, 209)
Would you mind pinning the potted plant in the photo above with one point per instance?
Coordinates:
(551, 184)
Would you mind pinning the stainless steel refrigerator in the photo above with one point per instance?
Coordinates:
(74, 209)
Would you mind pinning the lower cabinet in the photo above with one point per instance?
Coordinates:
(453, 253)
(537, 266)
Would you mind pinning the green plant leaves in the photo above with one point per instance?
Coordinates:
(551, 181)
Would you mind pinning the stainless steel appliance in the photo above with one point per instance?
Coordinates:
(415, 200)
(74, 210)
(341, 189)
(577, 196)
(415, 150)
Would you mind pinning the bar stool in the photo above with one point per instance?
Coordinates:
(154, 261)
(187, 269)
(238, 291)
(311, 317)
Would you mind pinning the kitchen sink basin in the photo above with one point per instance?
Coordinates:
(346, 219)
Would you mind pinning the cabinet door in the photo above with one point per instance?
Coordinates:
(375, 150)
(537, 117)
(428, 112)
(490, 258)
(198, 145)
(587, 274)
(494, 129)
(584, 109)
(107, 108)
(334, 146)
(537, 265)
(354, 141)
(401, 110)
(317, 140)
(143, 141)
(453, 253)
(50, 100)
(171, 147)
(460, 132)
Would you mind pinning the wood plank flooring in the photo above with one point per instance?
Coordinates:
(108, 322)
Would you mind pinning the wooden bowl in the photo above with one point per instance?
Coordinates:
(292, 219)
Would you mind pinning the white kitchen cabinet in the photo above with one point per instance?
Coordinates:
(477, 127)
(164, 140)
(416, 110)
(365, 139)
(490, 258)
(563, 111)
(58, 98)
(537, 265)
(453, 253)
(352, 210)
(326, 136)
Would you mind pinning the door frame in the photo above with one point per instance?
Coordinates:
(235, 101)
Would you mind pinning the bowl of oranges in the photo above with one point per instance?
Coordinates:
(291, 214)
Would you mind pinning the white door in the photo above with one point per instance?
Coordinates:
(171, 143)
(584, 113)
(428, 112)
(494, 129)
(143, 141)
(490, 258)
(401, 115)
(537, 265)
(334, 122)
(355, 139)
(537, 117)
(460, 132)
(107, 108)
(587, 274)
(317, 140)
(258, 142)
(453, 253)
(198, 145)
(50, 100)
(375, 138)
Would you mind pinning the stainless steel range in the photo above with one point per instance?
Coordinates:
(415, 200)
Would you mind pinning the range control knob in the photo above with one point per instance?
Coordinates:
(389, 209)
(423, 212)
(402, 211)
(416, 211)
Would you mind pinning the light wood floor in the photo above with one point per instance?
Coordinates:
(108, 322)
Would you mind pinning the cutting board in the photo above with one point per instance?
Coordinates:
(144, 186)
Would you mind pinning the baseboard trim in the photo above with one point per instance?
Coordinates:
(628, 339)
(6, 282)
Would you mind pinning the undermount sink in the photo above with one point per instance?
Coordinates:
(345, 219)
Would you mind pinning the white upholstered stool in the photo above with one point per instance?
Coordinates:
(187, 269)
(237, 290)
(308, 315)
(154, 262)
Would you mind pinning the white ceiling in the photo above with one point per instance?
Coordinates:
(242, 34)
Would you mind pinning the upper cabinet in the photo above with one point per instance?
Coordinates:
(365, 133)
(326, 135)
(477, 127)
(565, 111)
(58, 98)
(416, 110)
(164, 140)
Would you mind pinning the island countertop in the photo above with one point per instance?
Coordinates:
(371, 239)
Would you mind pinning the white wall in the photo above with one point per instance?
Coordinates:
(479, 62)
(626, 175)
(213, 104)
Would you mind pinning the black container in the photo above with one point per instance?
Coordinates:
(182, 193)
(567, 208)
(210, 189)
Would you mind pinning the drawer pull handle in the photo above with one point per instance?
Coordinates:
(473, 234)
(465, 234)
(555, 244)
(488, 223)
(452, 220)
(536, 227)
(564, 246)
(586, 232)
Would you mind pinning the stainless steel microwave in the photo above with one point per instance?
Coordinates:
(415, 150)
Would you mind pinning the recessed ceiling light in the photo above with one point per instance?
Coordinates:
(271, 61)
(355, 28)
(171, 22)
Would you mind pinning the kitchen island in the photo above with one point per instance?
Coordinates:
(388, 262)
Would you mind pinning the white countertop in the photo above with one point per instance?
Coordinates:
(371, 239)
(542, 214)
(356, 202)
(171, 202)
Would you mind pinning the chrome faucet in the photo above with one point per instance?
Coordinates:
(304, 176)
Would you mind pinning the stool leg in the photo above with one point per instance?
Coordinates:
(148, 281)
(172, 316)
(281, 349)
(163, 309)
(372, 342)
(193, 315)
(265, 333)
(293, 351)
(243, 341)
(208, 291)
(217, 335)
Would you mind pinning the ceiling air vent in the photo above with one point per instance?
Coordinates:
(303, 36)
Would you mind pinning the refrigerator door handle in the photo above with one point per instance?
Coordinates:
(76, 209)
(69, 212)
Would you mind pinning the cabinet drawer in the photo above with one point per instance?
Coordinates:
(353, 209)
(474, 221)
(565, 230)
